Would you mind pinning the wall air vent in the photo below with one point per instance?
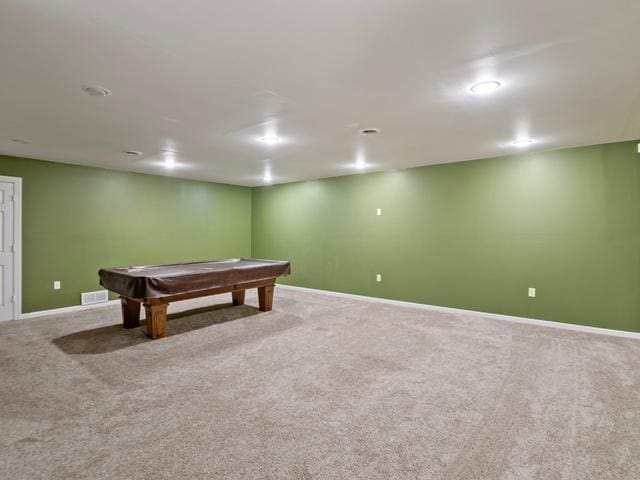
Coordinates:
(99, 296)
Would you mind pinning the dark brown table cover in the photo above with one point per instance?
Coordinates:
(154, 281)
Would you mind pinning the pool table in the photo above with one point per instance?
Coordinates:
(155, 286)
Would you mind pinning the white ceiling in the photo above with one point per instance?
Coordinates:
(208, 78)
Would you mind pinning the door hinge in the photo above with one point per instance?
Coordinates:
(13, 299)
(13, 248)
(13, 198)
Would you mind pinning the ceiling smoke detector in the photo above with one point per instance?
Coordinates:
(369, 131)
(132, 152)
(96, 90)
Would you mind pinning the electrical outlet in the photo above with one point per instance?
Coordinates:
(379, 212)
(378, 277)
(56, 285)
(532, 292)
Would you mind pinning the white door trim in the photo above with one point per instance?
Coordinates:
(17, 244)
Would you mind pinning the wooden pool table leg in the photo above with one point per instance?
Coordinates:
(238, 297)
(265, 298)
(156, 319)
(130, 313)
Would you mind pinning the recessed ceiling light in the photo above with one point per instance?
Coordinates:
(266, 173)
(370, 131)
(485, 87)
(132, 152)
(96, 90)
(21, 141)
(361, 163)
(522, 142)
(270, 140)
(169, 159)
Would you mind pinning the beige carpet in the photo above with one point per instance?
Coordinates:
(320, 388)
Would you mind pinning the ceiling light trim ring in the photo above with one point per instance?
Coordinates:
(485, 87)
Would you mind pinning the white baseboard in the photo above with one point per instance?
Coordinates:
(494, 316)
(73, 308)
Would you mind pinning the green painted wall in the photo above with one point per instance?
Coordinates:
(472, 235)
(78, 219)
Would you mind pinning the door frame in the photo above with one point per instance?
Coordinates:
(17, 244)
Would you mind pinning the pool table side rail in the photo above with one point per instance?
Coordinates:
(145, 287)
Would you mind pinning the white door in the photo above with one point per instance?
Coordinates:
(7, 260)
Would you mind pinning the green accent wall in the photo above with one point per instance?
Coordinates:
(472, 235)
(78, 219)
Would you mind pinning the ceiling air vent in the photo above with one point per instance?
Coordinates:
(99, 296)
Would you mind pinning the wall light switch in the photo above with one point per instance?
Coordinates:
(378, 277)
(532, 292)
(56, 285)
(379, 212)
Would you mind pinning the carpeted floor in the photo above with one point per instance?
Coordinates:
(320, 388)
